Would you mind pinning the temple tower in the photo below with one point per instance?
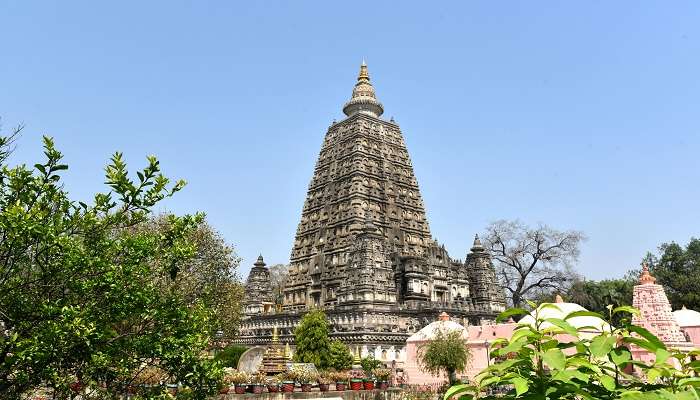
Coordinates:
(486, 293)
(258, 291)
(363, 177)
(656, 315)
(363, 251)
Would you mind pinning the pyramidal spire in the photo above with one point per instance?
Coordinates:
(363, 99)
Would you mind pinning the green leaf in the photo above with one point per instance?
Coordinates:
(601, 345)
(458, 389)
(627, 309)
(620, 355)
(645, 344)
(583, 313)
(545, 306)
(555, 358)
(661, 356)
(608, 382)
(520, 384)
(648, 336)
(565, 326)
(509, 313)
(652, 375)
(695, 382)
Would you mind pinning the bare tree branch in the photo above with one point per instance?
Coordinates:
(530, 260)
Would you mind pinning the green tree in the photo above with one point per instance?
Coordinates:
(534, 364)
(209, 277)
(447, 353)
(339, 356)
(597, 295)
(677, 268)
(78, 297)
(312, 339)
(369, 364)
(229, 356)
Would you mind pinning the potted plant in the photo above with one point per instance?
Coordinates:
(239, 379)
(306, 379)
(273, 383)
(258, 381)
(226, 380)
(356, 380)
(383, 376)
(324, 381)
(369, 364)
(341, 380)
(288, 378)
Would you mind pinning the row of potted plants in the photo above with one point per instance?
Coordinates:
(242, 382)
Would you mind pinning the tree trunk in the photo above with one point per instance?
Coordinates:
(452, 376)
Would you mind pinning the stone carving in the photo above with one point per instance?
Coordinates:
(363, 249)
(655, 310)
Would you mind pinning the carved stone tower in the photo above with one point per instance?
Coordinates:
(363, 251)
(486, 294)
(258, 298)
(655, 311)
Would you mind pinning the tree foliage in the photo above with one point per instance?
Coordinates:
(339, 356)
(209, 276)
(229, 356)
(597, 295)
(535, 364)
(369, 364)
(446, 353)
(78, 298)
(677, 268)
(531, 262)
(312, 339)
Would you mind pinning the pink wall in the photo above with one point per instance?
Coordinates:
(694, 333)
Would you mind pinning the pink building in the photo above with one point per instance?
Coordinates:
(677, 329)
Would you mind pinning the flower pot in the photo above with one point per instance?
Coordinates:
(305, 387)
(356, 384)
(340, 386)
(257, 389)
(172, 388)
(382, 385)
(273, 388)
(76, 387)
(288, 387)
(323, 387)
(224, 390)
(239, 388)
(369, 385)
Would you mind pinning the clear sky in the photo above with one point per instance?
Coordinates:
(579, 115)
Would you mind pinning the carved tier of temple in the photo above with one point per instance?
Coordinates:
(363, 249)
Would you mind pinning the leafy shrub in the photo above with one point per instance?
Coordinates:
(535, 364)
(369, 364)
(447, 353)
(339, 356)
(229, 356)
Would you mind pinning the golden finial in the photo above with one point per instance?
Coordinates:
(287, 351)
(363, 99)
(364, 74)
(275, 337)
(646, 278)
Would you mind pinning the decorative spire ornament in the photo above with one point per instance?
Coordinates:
(363, 99)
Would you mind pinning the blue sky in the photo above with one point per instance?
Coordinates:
(579, 115)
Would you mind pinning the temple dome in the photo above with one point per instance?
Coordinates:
(563, 309)
(687, 318)
(430, 331)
